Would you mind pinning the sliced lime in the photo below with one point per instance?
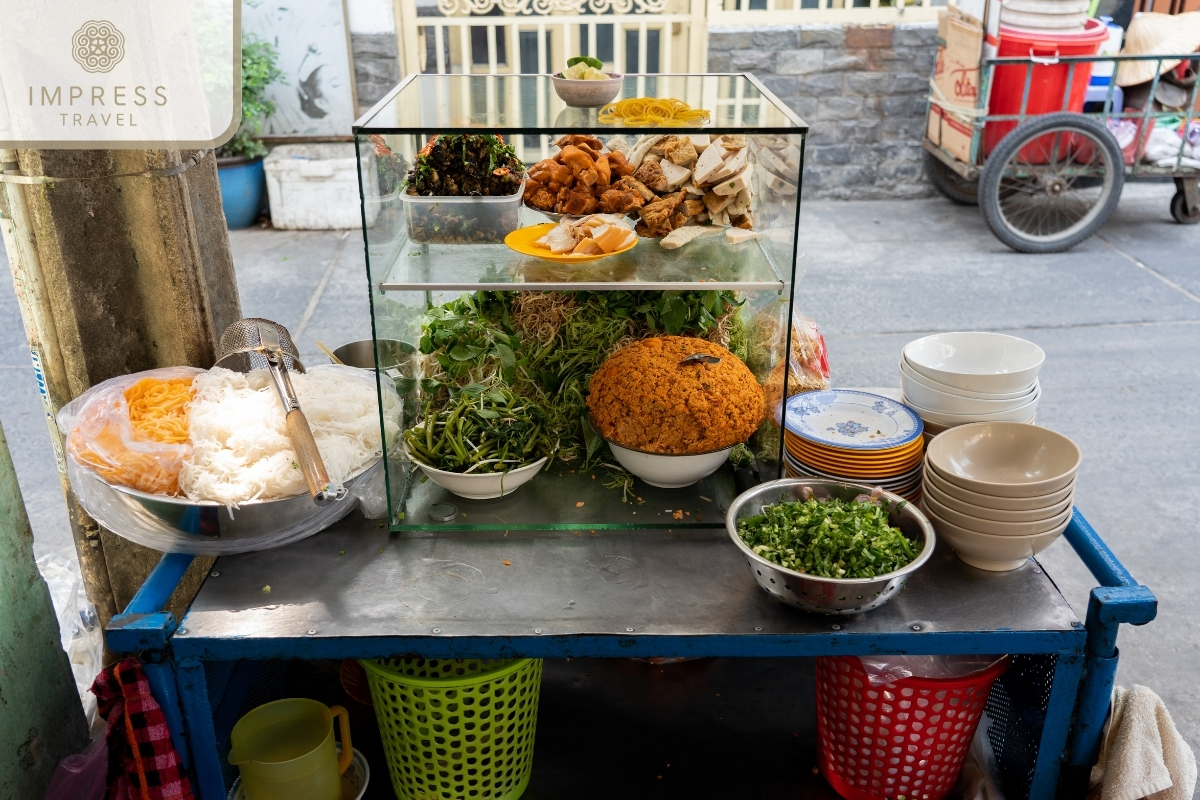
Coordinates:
(594, 63)
(576, 60)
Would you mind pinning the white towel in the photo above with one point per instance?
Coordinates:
(1143, 755)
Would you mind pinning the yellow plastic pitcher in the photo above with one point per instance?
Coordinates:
(285, 751)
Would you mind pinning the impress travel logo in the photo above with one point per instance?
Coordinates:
(98, 46)
(119, 73)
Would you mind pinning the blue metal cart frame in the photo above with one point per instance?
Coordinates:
(201, 682)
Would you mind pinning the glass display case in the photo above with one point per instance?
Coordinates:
(455, 309)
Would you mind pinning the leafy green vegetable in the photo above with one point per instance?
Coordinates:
(482, 429)
(475, 339)
(828, 538)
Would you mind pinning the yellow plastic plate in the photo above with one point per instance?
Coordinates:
(522, 240)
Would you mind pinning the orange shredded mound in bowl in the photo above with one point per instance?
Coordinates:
(642, 398)
(150, 455)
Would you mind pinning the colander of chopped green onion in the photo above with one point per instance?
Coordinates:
(829, 547)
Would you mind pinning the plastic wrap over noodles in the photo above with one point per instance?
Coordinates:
(132, 430)
(159, 521)
(882, 670)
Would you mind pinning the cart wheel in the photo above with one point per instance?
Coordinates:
(1051, 183)
(950, 184)
(1180, 213)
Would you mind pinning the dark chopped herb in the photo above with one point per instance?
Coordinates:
(828, 538)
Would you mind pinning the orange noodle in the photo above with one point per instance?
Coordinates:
(148, 454)
(639, 112)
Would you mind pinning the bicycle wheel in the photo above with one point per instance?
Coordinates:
(950, 184)
(1051, 183)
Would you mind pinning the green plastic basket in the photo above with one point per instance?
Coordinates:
(457, 729)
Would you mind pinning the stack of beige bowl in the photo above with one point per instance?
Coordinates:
(953, 379)
(999, 492)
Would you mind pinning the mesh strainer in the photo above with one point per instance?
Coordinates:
(255, 343)
(243, 340)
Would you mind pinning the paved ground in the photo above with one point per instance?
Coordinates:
(1119, 318)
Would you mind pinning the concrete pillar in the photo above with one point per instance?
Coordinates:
(132, 273)
(41, 719)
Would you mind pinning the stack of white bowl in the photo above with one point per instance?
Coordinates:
(999, 492)
(952, 379)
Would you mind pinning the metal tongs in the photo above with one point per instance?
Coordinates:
(250, 344)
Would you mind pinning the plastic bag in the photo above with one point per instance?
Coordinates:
(883, 670)
(101, 436)
(980, 776)
(78, 626)
(81, 776)
(808, 361)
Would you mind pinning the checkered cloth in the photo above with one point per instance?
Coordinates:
(142, 762)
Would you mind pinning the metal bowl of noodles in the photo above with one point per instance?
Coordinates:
(178, 525)
(828, 595)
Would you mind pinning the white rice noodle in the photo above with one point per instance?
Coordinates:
(240, 448)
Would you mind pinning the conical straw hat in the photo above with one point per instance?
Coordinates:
(1157, 34)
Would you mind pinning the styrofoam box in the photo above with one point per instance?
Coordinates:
(314, 187)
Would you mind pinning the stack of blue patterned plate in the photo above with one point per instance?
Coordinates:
(857, 437)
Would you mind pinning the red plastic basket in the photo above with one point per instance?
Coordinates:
(904, 739)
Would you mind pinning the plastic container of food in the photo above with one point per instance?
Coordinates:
(461, 220)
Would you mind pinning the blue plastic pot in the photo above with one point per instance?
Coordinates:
(243, 184)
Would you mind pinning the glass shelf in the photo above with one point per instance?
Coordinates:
(705, 264)
(562, 500)
(527, 104)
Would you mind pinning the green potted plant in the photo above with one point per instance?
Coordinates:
(239, 161)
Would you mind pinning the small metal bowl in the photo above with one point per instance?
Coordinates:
(827, 595)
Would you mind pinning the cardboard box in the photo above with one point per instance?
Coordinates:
(989, 12)
(950, 132)
(956, 73)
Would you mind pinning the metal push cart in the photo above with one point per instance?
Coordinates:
(564, 570)
(358, 591)
(1053, 180)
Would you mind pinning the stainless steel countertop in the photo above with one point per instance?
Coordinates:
(348, 592)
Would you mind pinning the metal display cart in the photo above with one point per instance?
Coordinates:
(562, 569)
(1053, 180)
(359, 591)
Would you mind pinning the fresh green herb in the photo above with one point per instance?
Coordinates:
(619, 478)
(545, 346)
(828, 538)
(741, 457)
(483, 429)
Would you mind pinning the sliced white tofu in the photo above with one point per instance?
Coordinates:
(775, 183)
(676, 175)
(690, 188)
(617, 144)
(734, 183)
(699, 141)
(775, 164)
(791, 157)
(731, 166)
(711, 161)
(738, 235)
(639, 150)
(721, 217)
(741, 204)
(688, 233)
